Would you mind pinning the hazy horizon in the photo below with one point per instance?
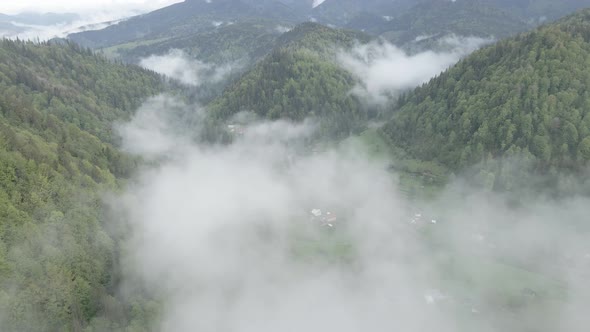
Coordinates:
(82, 7)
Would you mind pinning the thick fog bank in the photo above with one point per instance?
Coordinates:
(229, 238)
(385, 70)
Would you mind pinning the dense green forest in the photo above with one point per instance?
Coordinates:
(57, 107)
(540, 10)
(525, 98)
(518, 106)
(342, 12)
(300, 79)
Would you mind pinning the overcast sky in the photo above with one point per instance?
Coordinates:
(82, 6)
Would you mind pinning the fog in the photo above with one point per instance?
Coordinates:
(60, 30)
(385, 70)
(282, 29)
(179, 66)
(214, 226)
(117, 7)
(92, 15)
(222, 235)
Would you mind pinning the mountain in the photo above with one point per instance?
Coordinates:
(423, 25)
(401, 21)
(442, 18)
(341, 12)
(541, 10)
(183, 19)
(298, 79)
(58, 103)
(523, 101)
(244, 41)
(320, 39)
(347, 12)
(40, 19)
(11, 25)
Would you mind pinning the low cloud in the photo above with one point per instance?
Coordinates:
(61, 30)
(283, 29)
(179, 66)
(216, 231)
(385, 70)
(120, 8)
(92, 15)
(224, 236)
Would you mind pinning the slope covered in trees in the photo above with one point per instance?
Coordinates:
(409, 23)
(298, 79)
(525, 98)
(247, 41)
(541, 10)
(184, 19)
(57, 107)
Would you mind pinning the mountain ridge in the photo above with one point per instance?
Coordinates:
(522, 98)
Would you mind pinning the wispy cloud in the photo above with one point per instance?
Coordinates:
(385, 70)
(179, 66)
(93, 14)
(61, 30)
(83, 7)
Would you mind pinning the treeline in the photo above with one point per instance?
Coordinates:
(57, 107)
(523, 99)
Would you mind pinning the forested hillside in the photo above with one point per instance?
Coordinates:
(541, 10)
(182, 19)
(245, 41)
(320, 39)
(524, 98)
(440, 18)
(300, 78)
(57, 107)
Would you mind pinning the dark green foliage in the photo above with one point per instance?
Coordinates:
(403, 21)
(320, 39)
(70, 84)
(523, 99)
(16, 24)
(297, 80)
(57, 107)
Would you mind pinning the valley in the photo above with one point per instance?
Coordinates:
(241, 165)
